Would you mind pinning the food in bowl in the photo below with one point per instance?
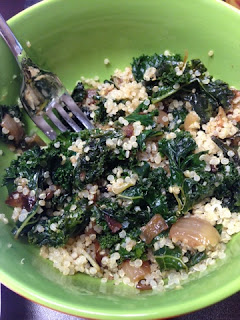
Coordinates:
(152, 194)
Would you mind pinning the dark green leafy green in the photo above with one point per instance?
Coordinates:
(137, 252)
(170, 259)
(178, 118)
(179, 152)
(226, 148)
(138, 114)
(108, 240)
(146, 134)
(167, 79)
(79, 93)
(70, 223)
(219, 228)
(22, 227)
(29, 165)
(207, 98)
(196, 258)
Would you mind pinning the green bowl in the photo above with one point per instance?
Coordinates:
(72, 38)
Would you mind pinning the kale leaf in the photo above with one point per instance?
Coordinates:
(169, 259)
(22, 227)
(29, 165)
(177, 149)
(146, 134)
(138, 114)
(204, 97)
(179, 152)
(194, 258)
(79, 93)
(68, 224)
(88, 166)
(108, 240)
(178, 118)
(207, 98)
(137, 252)
(166, 79)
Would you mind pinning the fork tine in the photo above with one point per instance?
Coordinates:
(71, 105)
(66, 117)
(55, 120)
(45, 127)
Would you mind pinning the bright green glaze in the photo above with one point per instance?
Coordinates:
(72, 38)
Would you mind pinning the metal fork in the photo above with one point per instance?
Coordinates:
(43, 96)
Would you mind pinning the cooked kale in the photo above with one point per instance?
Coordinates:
(146, 134)
(229, 190)
(137, 252)
(166, 79)
(179, 152)
(138, 114)
(22, 227)
(100, 115)
(225, 147)
(58, 229)
(178, 118)
(207, 98)
(79, 92)
(29, 165)
(169, 259)
(87, 164)
(108, 240)
(194, 258)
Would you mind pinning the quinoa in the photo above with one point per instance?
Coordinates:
(136, 135)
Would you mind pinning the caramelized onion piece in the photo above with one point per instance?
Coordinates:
(15, 129)
(163, 118)
(16, 199)
(91, 93)
(192, 121)
(143, 287)
(113, 225)
(99, 253)
(155, 226)
(194, 232)
(128, 130)
(34, 140)
(134, 273)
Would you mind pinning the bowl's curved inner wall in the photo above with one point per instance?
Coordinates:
(72, 38)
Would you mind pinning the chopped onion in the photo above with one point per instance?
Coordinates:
(34, 140)
(91, 93)
(194, 232)
(155, 226)
(163, 118)
(134, 273)
(99, 253)
(143, 287)
(192, 121)
(21, 201)
(15, 129)
(128, 130)
(113, 225)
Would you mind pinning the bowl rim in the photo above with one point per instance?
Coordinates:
(225, 291)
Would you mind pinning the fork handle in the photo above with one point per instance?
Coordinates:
(10, 39)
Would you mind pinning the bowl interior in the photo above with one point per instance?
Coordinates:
(72, 38)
